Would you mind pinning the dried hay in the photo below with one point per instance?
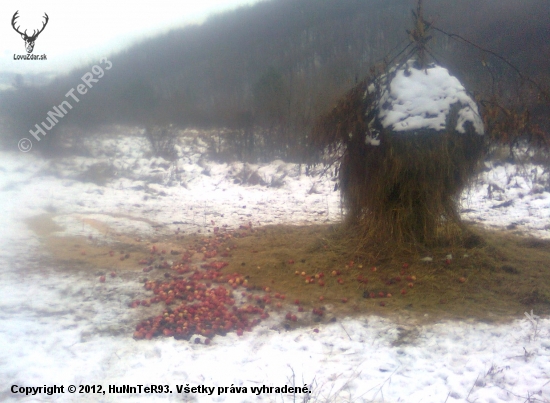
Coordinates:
(406, 189)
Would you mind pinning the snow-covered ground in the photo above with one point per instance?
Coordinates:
(60, 327)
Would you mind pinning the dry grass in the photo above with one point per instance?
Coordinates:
(407, 189)
(504, 275)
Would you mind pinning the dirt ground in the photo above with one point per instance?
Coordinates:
(497, 278)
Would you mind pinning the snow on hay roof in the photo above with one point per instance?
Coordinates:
(421, 99)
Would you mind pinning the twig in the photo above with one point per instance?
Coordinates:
(518, 72)
(345, 330)
(472, 388)
(382, 384)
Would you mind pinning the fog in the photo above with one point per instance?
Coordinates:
(271, 68)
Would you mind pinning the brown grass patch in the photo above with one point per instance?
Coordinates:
(110, 251)
(504, 275)
(501, 280)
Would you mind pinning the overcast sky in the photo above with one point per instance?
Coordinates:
(81, 32)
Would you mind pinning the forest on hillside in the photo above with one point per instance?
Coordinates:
(265, 73)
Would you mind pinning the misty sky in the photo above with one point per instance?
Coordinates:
(80, 33)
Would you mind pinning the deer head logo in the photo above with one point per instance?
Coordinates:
(29, 40)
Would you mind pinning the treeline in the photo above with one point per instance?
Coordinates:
(266, 72)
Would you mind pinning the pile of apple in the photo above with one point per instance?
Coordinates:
(201, 303)
(202, 309)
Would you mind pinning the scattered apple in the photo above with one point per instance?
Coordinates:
(318, 311)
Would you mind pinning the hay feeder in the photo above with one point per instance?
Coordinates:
(412, 139)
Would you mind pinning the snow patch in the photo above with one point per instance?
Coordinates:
(414, 99)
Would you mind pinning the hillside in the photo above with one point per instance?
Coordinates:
(274, 67)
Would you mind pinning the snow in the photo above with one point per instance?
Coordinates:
(413, 99)
(64, 328)
(511, 196)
